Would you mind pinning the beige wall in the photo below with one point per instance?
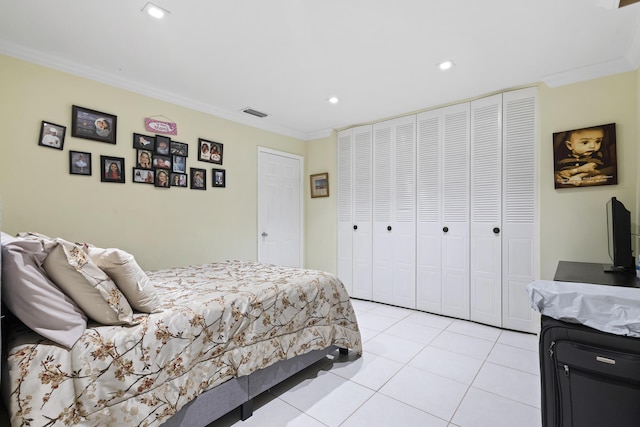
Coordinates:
(178, 226)
(573, 220)
(161, 227)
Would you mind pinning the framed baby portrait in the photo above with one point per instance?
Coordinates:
(111, 169)
(219, 178)
(92, 124)
(79, 163)
(585, 157)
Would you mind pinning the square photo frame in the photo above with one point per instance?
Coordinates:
(111, 169)
(219, 178)
(143, 176)
(178, 179)
(94, 125)
(585, 157)
(52, 135)
(210, 151)
(79, 163)
(163, 145)
(161, 162)
(162, 178)
(320, 185)
(198, 179)
(179, 149)
(144, 142)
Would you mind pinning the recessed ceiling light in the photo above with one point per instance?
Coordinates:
(155, 11)
(445, 65)
(333, 100)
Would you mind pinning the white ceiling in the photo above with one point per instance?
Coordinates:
(286, 57)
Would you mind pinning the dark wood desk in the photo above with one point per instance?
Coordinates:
(590, 272)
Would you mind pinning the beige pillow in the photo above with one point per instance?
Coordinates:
(123, 269)
(69, 267)
(33, 298)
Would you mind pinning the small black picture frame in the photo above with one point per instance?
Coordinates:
(52, 135)
(162, 178)
(94, 125)
(161, 162)
(210, 151)
(112, 169)
(143, 176)
(163, 145)
(219, 178)
(198, 179)
(144, 142)
(144, 159)
(179, 149)
(179, 164)
(79, 163)
(178, 179)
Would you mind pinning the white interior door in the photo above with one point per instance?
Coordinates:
(280, 208)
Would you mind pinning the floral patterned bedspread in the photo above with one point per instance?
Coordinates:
(219, 321)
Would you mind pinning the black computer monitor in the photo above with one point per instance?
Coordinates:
(619, 236)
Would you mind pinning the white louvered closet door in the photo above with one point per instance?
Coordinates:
(486, 211)
(362, 205)
(382, 212)
(519, 222)
(455, 211)
(345, 208)
(428, 218)
(404, 225)
(394, 212)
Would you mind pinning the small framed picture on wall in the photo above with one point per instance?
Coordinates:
(111, 169)
(79, 163)
(52, 135)
(92, 124)
(219, 178)
(198, 179)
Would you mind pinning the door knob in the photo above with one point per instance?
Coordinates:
(445, 229)
(355, 227)
(388, 228)
(264, 234)
(496, 230)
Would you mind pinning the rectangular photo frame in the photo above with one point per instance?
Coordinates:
(219, 178)
(144, 142)
(198, 179)
(585, 157)
(52, 135)
(161, 162)
(163, 145)
(79, 163)
(162, 178)
(112, 169)
(179, 149)
(210, 151)
(144, 159)
(320, 185)
(178, 179)
(143, 176)
(179, 164)
(94, 125)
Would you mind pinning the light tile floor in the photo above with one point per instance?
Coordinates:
(417, 369)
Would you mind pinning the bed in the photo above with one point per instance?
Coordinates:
(222, 334)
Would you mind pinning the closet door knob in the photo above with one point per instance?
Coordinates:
(355, 227)
(388, 228)
(445, 229)
(496, 230)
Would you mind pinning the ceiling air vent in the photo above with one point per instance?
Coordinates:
(254, 112)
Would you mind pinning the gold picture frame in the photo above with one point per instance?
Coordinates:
(319, 185)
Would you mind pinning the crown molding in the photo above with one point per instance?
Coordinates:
(49, 61)
(603, 69)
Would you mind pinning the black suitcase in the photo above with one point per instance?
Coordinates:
(589, 378)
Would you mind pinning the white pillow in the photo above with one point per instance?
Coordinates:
(91, 288)
(33, 298)
(134, 283)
